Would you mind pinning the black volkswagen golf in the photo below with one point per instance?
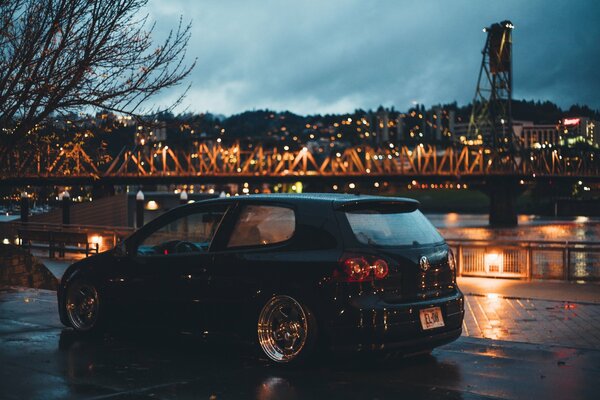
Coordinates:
(292, 272)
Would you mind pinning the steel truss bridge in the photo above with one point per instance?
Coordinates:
(218, 163)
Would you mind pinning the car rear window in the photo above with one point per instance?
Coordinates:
(263, 225)
(385, 228)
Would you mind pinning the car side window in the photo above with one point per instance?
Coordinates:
(261, 225)
(191, 233)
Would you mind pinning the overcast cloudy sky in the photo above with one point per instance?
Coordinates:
(320, 56)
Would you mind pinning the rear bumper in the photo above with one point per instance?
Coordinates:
(370, 324)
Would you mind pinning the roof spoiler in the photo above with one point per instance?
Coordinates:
(389, 206)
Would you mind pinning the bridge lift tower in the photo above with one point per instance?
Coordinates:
(491, 117)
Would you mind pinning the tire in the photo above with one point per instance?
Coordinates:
(287, 330)
(83, 306)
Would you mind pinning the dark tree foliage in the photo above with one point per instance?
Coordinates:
(61, 56)
(539, 112)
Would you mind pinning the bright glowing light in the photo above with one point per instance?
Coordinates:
(493, 262)
(451, 217)
(96, 239)
(152, 205)
(570, 121)
(352, 186)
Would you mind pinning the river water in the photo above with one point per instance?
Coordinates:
(531, 227)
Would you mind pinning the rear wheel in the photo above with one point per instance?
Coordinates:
(83, 306)
(287, 330)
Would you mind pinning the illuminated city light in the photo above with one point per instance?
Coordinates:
(493, 262)
(152, 205)
(97, 240)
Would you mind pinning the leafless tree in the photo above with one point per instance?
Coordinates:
(59, 56)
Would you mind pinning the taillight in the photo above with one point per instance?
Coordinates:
(360, 268)
(380, 269)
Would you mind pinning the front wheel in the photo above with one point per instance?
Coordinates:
(83, 306)
(287, 330)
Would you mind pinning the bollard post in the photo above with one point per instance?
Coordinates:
(139, 209)
(529, 262)
(460, 260)
(183, 197)
(24, 207)
(65, 199)
(568, 264)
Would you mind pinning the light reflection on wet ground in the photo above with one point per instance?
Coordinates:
(532, 321)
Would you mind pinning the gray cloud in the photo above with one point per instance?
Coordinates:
(322, 56)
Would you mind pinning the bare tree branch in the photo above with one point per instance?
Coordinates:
(66, 55)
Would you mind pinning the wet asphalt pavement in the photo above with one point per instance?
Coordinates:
(39, 359)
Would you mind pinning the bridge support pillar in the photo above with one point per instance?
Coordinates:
(503, 195)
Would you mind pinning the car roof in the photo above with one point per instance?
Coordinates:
(337, 200)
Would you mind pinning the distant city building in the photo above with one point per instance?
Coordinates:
(581, 130)
(461, 130)
(382, 126)
(442, 123)
(530, 135)
(156, 133)
(434, 125)
(400, 127)
(535, 136)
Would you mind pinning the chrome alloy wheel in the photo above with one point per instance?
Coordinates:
(282, 329)
(82, 306)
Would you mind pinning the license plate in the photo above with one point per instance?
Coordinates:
(431, 318)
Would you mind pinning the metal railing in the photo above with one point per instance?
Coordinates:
(106, 237)
(523, 259)
(531, 259)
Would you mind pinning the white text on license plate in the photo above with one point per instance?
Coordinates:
(431, 318)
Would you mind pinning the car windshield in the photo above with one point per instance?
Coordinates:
(383, 228)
